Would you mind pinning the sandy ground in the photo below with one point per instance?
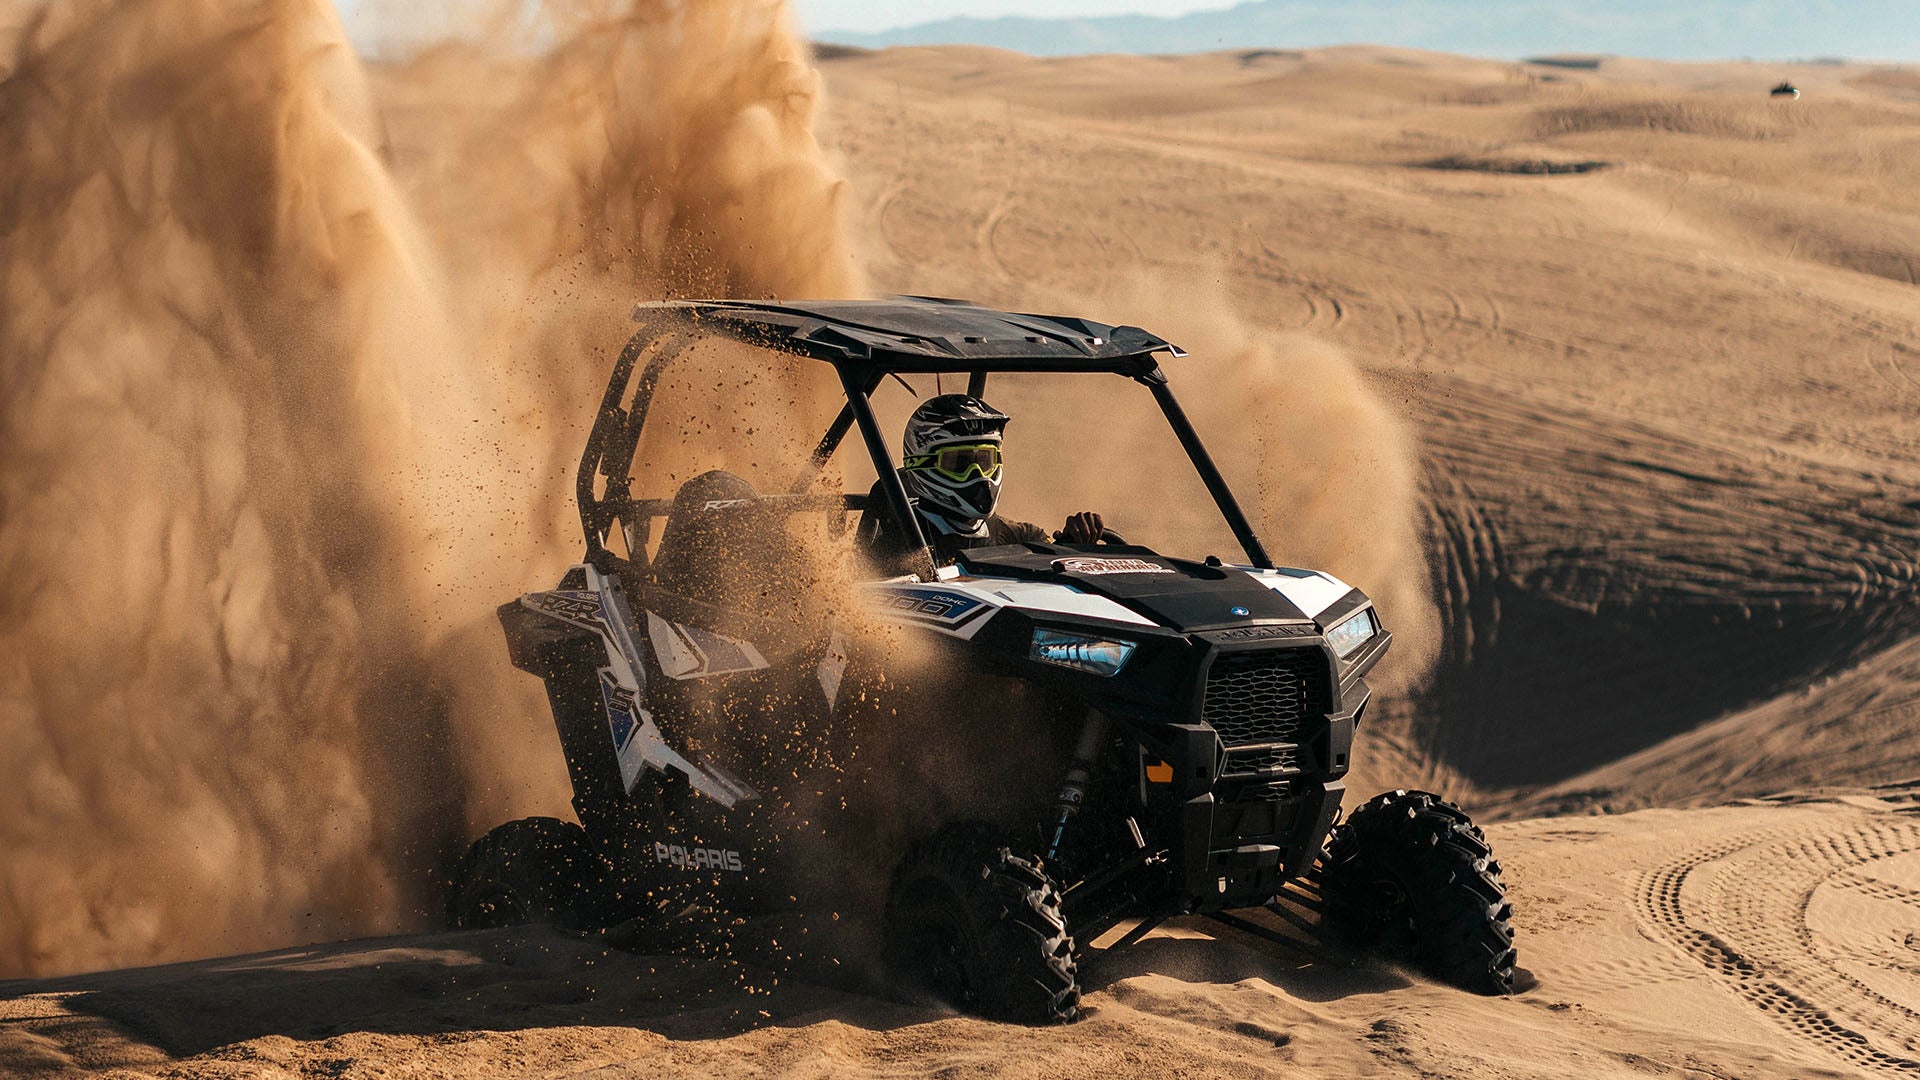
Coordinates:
(1753, 941)
(1659, 338)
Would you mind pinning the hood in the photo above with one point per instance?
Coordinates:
(1174, 593)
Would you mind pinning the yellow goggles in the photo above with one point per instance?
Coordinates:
(960, 463)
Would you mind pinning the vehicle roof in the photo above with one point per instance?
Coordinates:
(923, 334)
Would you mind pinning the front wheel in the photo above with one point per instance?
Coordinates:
(535, 870)
(978, 926)
(1412, 875)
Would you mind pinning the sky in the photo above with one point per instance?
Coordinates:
(871, 15)
(1703, 29)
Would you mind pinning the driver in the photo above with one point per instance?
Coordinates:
(952, 469)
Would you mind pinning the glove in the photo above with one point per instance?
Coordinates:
(1082, 528)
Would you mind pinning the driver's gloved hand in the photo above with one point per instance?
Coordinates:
(1083, 528)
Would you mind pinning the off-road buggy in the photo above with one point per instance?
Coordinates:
(1200, 714)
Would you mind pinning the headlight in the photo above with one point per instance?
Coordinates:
(1353, 633)
(1082, 652)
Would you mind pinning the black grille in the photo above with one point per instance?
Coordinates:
(1266, 697)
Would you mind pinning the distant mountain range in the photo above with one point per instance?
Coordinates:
(1699, 29)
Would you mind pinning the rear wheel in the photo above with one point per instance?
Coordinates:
(535, 870)
(978, 926)
(1411, 875)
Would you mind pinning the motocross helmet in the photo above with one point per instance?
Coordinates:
(951, 464)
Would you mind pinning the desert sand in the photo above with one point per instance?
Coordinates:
(1657, 338)
(1663, 405)
(1760, 940)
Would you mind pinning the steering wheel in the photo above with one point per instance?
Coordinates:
(1083, 523)
(1107, 536)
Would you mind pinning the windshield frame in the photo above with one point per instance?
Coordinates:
(669, 330)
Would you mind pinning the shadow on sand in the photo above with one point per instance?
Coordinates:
(520, 979)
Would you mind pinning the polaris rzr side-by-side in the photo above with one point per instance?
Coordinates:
(1184, 724)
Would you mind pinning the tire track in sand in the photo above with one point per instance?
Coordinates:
(1740, 909)
(987, 237)
(882, 206)
(1325, 311)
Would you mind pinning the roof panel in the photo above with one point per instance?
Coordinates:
(912, 333)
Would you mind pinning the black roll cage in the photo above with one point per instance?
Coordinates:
(866, 342)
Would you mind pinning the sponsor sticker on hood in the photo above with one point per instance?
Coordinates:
(1110, 566)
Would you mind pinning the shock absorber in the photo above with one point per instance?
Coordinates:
(1073, 789)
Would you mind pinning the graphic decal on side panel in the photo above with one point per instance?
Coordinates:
(638, 742)
(620, 710)
(832, 667)
(579, 607)
(691, 652)
(942, 608)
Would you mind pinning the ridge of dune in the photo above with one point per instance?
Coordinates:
(1850, 728)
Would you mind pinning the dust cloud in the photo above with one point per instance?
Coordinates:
(1325, 471)
(1331, 476)
(289, 380)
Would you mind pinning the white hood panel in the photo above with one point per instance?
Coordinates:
(1309, 590)
(960, 606)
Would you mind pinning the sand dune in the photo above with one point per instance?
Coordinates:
(1664, 402)
(1658, 337)
(1755, 941)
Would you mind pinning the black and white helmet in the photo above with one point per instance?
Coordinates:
(952, 459)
